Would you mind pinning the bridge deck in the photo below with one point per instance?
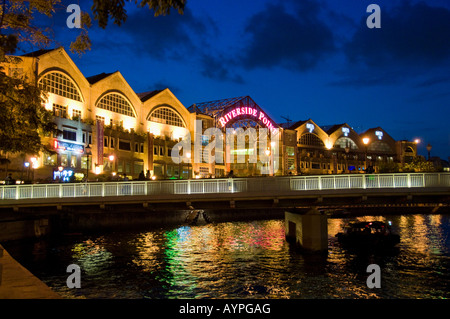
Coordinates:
(288, 189)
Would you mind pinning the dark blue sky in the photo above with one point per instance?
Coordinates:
(298, 59)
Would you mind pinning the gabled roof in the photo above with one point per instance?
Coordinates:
(215, 105)
(144, 96)
(297, 124)
(37, 53)
(95, 78)
(331, 128)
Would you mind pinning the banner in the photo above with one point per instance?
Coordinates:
(100, 134)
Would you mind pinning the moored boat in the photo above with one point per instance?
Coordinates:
(372, 234)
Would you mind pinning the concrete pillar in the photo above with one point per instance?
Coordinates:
(308, 230)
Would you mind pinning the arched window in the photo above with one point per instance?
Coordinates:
(379, 146)
(115, 102)
(310, 139)
(344, 142)
(166, 115)
(58, 83)
(409, 149)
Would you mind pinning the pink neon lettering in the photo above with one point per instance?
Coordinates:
(261, 115)
(222, 121)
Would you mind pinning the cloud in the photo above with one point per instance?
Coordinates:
(433, 81)
(298, 39)
(413, 40)
(218, 67)
(173, 36)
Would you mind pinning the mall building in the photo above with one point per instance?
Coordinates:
(107, 131)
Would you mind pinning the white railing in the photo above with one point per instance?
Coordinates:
(235, 185)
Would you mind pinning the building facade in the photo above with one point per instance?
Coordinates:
(108, 131)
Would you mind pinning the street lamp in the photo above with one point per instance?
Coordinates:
(88, 152)
(429, 147)
(366, 141)
(111, 161)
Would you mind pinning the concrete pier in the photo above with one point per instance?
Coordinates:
(308, 230)
(16, 282)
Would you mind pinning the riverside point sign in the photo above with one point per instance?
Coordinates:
(247, 112)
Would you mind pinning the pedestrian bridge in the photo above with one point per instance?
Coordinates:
(255, 189)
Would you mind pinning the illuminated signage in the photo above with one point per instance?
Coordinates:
(68, 146)
(248, 111)
(310, 127)
(64, 176)
(346, 131)
(379, 134)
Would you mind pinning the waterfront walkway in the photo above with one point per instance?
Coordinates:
(16, 282)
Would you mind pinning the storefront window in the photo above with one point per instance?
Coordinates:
(138, 167)
(64, 160)
(50, 160)
(84, 162)
(73, 161)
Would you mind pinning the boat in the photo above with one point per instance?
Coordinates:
(371, 234)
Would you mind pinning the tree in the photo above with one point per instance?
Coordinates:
(23, 117)
(418, 164)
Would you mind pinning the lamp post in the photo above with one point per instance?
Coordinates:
(366, 141)
(88, 152)
(429, 147)
(111, 161)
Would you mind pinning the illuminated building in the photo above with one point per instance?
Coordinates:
(108, 130)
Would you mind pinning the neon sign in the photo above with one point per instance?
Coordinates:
(310, 127)
(346, 131)
(64, 176)
(240, 111)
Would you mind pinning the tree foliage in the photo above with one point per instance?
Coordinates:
(22, 116)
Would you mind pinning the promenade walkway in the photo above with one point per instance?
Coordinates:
(16, 282)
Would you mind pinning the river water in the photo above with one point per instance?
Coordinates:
(242, 260)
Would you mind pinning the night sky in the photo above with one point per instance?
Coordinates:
(297, 59)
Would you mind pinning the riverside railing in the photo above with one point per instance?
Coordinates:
(226, 185)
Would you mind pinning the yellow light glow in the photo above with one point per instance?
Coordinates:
(366, 140)
(417, 141)
(111, 158)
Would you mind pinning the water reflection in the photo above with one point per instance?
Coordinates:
(248, 260)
